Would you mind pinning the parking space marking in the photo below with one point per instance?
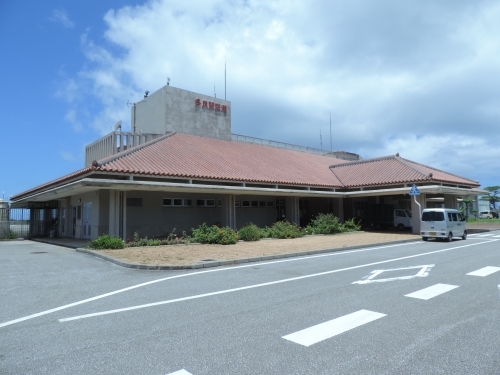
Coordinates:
(331, 328)
(432, 291)
(486, 271)
(423, 272)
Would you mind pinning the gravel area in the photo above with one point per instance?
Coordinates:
(195, 253)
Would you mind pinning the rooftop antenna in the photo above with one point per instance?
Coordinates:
(215, 95)
(168, 81)
(320, 140)
(146, 93)
(224, 80)
(331, 147)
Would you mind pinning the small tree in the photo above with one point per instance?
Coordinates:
(493, 197)
(467, 203)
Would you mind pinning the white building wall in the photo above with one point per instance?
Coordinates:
(173, 109)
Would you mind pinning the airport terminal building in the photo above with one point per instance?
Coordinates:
(181, 166)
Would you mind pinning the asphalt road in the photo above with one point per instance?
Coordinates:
(417, 308)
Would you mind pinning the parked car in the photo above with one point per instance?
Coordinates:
(443, 224)
(495, 214)
(485, 215)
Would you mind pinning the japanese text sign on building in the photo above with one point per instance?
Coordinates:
(414, 190)
(211, 105)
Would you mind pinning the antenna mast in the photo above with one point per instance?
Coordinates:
(224, 80)
(331, 147)
(320, 140)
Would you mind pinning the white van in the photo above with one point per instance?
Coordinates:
(442, 223)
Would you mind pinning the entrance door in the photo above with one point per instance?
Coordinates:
(86, 220)
(280, 209)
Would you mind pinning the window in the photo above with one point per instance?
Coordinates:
(236, 203)
(270, 204)
(210, 203)
(177, 202)
(200, 203)
(246, 203)
(255, 203)
(262, 204)
(433, 216)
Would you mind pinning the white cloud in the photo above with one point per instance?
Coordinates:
(422, 79)
(61, 16)
(67, 156)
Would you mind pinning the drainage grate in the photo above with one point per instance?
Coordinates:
(39, 252)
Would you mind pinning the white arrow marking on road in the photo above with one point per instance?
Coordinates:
(180, 372)
(326, 330)
(484, 271)
(431, 291)
(424, 271)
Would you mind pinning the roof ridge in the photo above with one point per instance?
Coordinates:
(114, 157)
(338, 178)
(405, 162)
(439, 170)
(363, 161)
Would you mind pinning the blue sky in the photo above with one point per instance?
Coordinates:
(421, 79)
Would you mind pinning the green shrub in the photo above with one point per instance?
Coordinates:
(214, 235)
(249, 232)
(284, 229)
(325, 224)
(351, 226)
(330, 224)
(10, 236)
(107, 242)
(265, 232)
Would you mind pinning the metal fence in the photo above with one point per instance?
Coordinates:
(14, 222)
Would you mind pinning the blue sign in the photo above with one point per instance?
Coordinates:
(414, 190)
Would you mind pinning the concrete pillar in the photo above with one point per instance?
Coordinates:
(229, 212)
(114, 221)
(450, 201)
(292, 210)
(123, 203)
(415, 211)
(339, 208)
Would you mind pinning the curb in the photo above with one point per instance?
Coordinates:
(217, 263)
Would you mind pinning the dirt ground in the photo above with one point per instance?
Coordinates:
(194, 253)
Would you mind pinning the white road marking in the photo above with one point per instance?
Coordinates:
(483, 235)
(431, 291)
(484, 271)
(326, 330)
(257, 285)
(223, 270)
(195, 274)
(424, 271)
(180, 372)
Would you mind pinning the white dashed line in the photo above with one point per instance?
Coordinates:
(326, 330)
(486, 271)
(431, 291)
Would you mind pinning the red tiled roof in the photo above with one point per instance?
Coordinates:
(194, 157)
(392, 170)
(55, 182)
(190, 156)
